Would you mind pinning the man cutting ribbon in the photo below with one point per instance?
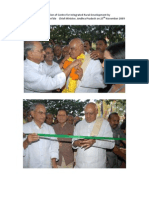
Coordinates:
(39, 152)
(92, 153)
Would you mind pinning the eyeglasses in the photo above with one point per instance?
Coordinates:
(41, 112)
(40, 51)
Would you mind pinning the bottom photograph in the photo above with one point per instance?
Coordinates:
(78, 133)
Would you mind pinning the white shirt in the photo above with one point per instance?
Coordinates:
(51, 70)
(95, 156)
(36, 80)
(92, 78)
(39, 154)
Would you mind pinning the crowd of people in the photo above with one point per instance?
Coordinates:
(48, 152)
(73, 68)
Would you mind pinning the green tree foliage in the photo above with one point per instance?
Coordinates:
(62, 34)
(74, 107)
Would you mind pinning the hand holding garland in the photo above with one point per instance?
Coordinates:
(74, 74)
(79, 72)
(74, 65)
(62, 62)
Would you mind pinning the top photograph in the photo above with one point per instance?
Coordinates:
(72, 61)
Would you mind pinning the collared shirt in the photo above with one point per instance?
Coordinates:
(92, 78)
(39, 154)
(35, 79)
(65, 148)
(112, 158)
(51, 70)
(118, 133)
(95, 156)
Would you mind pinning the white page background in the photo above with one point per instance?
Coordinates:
(20, 182)
(30, 29)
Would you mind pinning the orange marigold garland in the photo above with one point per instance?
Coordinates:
(73, 76)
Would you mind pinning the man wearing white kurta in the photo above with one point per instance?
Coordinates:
(35, 78)
(39, 152)
(92, 77)
(51, 70)
(91, 153)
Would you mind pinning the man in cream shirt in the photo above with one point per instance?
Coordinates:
(92, 153)
(92, 77)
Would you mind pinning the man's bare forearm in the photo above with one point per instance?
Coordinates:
(118, 152)
(54, 164)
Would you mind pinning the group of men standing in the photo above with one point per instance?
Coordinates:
(43, 71)
(47, 152)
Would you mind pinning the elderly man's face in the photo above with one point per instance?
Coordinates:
(49, 119)
(76, 49)
(90, 113)
(62, 117)
(37, 54)
(49, 55)
(39, 114)
(100, 45)
(114, 121)
(57, 51)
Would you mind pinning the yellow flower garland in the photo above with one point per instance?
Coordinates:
(82, 56)
(73, 83)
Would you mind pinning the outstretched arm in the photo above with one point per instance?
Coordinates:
(30, 138)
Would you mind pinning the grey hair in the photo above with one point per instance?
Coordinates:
(81, 41)
(28, 45)
(33, 107)
(91, 104)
